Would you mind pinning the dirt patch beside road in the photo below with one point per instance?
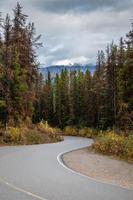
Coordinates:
(100, 167)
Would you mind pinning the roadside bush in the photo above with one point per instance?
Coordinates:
(54, 133)
(88, 132)
(128, 148)
(85, 132)
(70, 131)
(33, 134)
(82, 132)
(114, 144)
(12, 135)
(32, 137)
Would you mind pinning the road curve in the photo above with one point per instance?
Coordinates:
(34, 173)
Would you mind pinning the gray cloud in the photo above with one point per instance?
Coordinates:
(62, 6)
(75, 30)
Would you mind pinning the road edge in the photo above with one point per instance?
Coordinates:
(64, 165)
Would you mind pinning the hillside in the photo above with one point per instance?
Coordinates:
(58, 68)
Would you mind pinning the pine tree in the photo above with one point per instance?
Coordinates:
(18, 89)
(57, 101)
(72, 98)
(48, 99)
(88, 108)
(38, 112)
(7, 60)
(19, 68)
(98, 90)
(125, 80)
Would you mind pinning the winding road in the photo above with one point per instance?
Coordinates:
(37, 173)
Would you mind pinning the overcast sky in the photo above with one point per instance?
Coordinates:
(74, 30)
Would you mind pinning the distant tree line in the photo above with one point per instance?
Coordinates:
(102, 100)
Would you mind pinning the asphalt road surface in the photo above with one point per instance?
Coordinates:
(35, 173)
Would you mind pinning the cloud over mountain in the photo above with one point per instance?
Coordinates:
(73, 29)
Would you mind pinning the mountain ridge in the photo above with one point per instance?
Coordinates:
(56, 69)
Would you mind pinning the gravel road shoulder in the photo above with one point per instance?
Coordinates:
(100, 167)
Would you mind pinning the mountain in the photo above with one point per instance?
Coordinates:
(56, 69)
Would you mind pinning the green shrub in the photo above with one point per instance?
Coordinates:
(31, 137)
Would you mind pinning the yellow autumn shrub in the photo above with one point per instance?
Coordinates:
(114, 144)
(54, 133)
(81, 132)
(13, 135)
(70, 131)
